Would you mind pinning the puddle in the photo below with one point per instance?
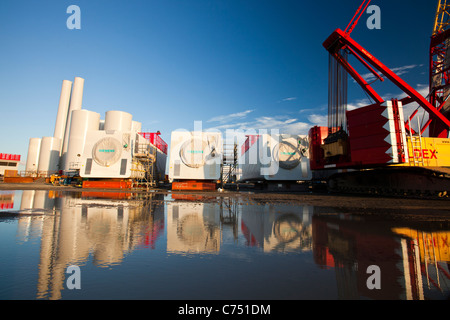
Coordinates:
(186, 246)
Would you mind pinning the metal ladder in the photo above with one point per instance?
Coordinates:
(146, 155)
(229, 162)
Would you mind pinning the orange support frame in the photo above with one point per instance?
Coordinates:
(106, 184)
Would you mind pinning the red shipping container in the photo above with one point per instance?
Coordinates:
(156, 140)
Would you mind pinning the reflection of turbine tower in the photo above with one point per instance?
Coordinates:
(192, 228)
(36, 204)
(107, 229)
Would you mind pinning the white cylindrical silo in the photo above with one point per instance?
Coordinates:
(82, 121)
(136, 126)
(34, 147)
(61, 117)
(76, 100)
(118, 120)
(49, 156)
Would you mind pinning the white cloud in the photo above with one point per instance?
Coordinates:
(282, 123)
(229, 117)
(358, 104)
(289, 125)
(318, 119)
(369, 77)
(289, 99)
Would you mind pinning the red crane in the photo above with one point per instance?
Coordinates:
(375, 140)
(340, 40)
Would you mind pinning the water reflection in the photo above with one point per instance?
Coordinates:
(351, 245)
(76, 227)
(193, 228)
(277, 228)
(106, 229)
(6, 200)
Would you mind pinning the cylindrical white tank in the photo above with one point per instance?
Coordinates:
(82, 121)
(61, 117)
(49, 155)
(34, 147)
(136, 126)
(76, 100)
(118, 120)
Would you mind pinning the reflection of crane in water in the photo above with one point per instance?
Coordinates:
(426, 254)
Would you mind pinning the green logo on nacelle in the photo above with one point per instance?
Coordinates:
(287, 153)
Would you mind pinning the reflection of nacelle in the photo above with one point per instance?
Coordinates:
(107, 154)
(280, 230)
(192, 229)
(195, 155)
(275, 157)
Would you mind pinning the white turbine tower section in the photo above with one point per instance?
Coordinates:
(34, 147)
(61, 117)
(136, 126)
(49, 156)
(82, 121)
(118, 121)
(75, 104)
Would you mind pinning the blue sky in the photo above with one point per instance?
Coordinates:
(228, 63)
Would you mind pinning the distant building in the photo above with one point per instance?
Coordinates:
(8, 162)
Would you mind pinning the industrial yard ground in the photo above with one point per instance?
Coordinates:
(390, 207)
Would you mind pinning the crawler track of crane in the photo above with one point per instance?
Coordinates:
(405, 182)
